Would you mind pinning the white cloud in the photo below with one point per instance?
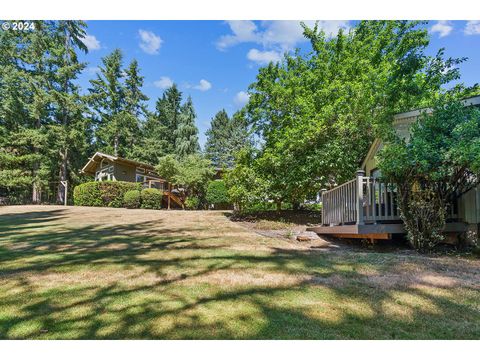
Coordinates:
(263, 57)
(150, 43)
(442, 27)
(92, 70)
(203, 85)
(164, 83)
(241, 98)
(243, 31)
(279, 34)
(472, 27)
(91, 42)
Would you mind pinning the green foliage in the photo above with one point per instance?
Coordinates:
(170, 130)
(132, 199)
(244, 186)
(194, 174)
(103, 193)
(186, 133)
(87, 194)
(217, 193)
(217, 139)
(439, 162)
(42, 118)
(151, 199)
(192, 203)
(226, 137)
(168, 109)
(190, 174)
(318, 113)
(312, 207)
(117, 101)
(168, 167)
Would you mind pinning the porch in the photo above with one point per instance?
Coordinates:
(367, 207)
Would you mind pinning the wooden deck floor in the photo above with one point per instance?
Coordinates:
(375, 231)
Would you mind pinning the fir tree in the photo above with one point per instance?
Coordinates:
(116, 125)
(186, 134)
(70, 140)
(217, 139)
(134, 97)
(239, 134)
(168, 113)
(25, 112)
(226, 137)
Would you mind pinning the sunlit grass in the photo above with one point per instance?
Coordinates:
(82, 273)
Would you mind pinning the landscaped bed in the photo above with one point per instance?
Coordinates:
(81, 272)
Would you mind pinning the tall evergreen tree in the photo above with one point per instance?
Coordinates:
(168, 112)
(153, 143)
(226, 137)
(25, 111)
(160, 129)
(70, 122)
(116, 126)
(134, 97)
(217, 139)
(239, 133)
(186, 133)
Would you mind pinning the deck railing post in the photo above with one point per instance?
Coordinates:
(359, 200)
(322, 214)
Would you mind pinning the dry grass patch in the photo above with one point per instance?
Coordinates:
(92, 273)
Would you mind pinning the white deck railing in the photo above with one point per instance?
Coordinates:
(363, 200)
(359, 201)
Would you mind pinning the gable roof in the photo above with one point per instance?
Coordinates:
(91, 166)
(409, 117)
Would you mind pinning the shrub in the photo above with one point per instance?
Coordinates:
(131, 199)
(192, 202)
(102, 193)
(217, 193)
(112, 192)
(87, 194)
(312, 207)
(151, 199)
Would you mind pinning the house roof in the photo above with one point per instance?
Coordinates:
(409, 116)
(92, 163)
(91, 166)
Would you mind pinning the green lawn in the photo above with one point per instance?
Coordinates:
(90, 273)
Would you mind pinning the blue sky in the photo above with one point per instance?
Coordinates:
(215, 61)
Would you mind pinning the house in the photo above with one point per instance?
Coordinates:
(366, 207)
(108, 167)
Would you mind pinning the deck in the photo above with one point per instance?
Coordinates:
(366, 207)
(376, 231)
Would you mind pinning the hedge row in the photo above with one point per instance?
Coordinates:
(103, 193)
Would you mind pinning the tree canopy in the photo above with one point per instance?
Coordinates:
(317, 113)
(438, 162)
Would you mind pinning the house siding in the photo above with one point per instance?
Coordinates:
(124, 173)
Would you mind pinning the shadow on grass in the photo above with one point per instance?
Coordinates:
(297, 217)
(145, 280)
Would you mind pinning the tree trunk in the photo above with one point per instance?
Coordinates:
(279, 205)
(62, 177)
(36, 192)
(296, 205)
